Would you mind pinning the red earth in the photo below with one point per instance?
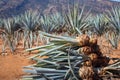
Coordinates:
(11, 65)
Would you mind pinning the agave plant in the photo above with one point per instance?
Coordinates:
(113, 17)
(30, 21)
(52, 22)
(100, 24)
(76, 21)
(9, 32)
(18, 29)
(113, 39)
(58, 22)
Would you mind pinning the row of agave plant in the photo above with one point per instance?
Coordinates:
(27, 27)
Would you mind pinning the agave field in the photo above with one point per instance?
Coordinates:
(70, 43)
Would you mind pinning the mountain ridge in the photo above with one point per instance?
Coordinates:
(15, 7)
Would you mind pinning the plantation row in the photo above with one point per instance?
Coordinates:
(27, 27)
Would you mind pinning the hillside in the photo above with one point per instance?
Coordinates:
(15, 7)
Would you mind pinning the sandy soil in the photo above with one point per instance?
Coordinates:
(11, 65)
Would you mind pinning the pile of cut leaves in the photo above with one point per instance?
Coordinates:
(71, 58)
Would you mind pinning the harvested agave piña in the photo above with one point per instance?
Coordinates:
(96, 49)
(86, 73)
(93, 41)
(86, 50)
(101, 61)
(83, 40)
(93, 57)
(87, 63)
(96, 59)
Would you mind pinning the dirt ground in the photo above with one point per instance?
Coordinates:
(11, 65)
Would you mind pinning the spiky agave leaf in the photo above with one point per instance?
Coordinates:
(30, 20)
(46, 23)
(113, 17)
(58, 22)
(113, 39)
(100, 24)
(52, 22)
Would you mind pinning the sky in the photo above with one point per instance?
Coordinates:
(116, 0)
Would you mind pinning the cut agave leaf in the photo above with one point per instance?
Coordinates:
(30, 71)
(46, 61)
(56, 37)
(53, 49)
(40, 47)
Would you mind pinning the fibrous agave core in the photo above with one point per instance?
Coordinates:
(83, 40)
(86, 73)
(86, 50)
(93, 41)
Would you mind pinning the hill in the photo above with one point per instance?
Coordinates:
(16, 7)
